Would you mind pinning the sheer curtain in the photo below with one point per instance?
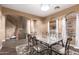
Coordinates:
(2, 29)
(48, 27)
(28, 26)
(57, 27)
(64, 34)
(77, 31)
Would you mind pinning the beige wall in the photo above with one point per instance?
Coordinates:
(2, 27)
(44, 26)
(40, 27)
(10, 29)
(60, 24)
(28, 26)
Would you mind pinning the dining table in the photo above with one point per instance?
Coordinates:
(49, 41)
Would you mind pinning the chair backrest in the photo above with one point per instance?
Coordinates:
(29, 39)
(34, 41)
(67, 45)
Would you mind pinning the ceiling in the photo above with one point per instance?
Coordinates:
(35, 9)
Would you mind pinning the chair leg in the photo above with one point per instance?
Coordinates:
(62, 43)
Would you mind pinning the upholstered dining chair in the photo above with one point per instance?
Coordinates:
(29, 37)
(59, 49)
(39, 47)
(30, 44)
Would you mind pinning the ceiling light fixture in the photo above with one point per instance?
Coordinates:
(45, 7)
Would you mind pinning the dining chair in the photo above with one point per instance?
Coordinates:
(59, 49)
(29, 37)
(30, 44)
(39, 47)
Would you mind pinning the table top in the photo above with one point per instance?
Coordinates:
(49, 40)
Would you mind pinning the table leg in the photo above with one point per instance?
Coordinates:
(50, 50)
